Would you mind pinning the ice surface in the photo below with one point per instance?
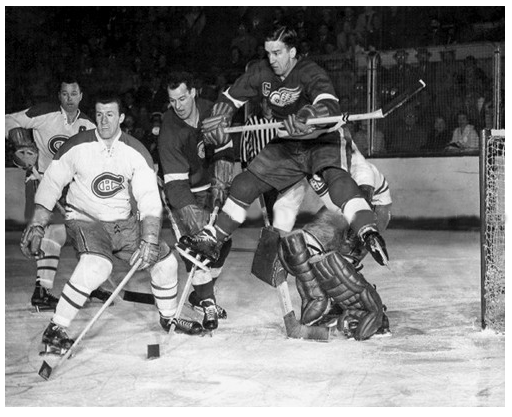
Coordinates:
(437, 354)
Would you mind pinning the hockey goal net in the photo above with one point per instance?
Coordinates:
(492, 215)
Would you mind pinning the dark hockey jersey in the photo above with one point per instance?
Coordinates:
(184, 158)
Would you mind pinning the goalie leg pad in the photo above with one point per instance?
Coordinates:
(294, 255)
(339, 279)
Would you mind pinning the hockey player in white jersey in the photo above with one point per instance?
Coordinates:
(101, 166)
(37, 133)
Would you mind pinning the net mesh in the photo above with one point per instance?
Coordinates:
(494, 234)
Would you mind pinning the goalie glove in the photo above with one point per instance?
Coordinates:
(296, 125)
(25, 149)
(149, 248)
(222, 178)
(374, 243)
(213, 127)
(33, 234)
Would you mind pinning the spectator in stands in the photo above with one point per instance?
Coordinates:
(474, 78)
(153, 94)
(464, 136)
(324, 38)
(399, 76)
(362, 138)
(368, 27)
(408, 137)
(440, 135)
(245, 42)
(236, 64)
(302, 24)
(394, 22)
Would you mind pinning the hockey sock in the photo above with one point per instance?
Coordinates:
(164, 285)
(47, 264)
(205, 291)
(90, 272)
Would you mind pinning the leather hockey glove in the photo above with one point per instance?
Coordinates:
(374, 243)
(368, 192)
(25, 149)
(296, 124)
(33, 234)
(221, 181)
(149, 248)
(213, 127)
(192, 218)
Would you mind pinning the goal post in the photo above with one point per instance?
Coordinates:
(492, 229)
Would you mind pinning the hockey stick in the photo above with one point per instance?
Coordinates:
(294, 329)
(344, 118)
(46, 370)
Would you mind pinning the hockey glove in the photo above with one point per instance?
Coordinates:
(33, 234)
(213, 127)
(374, 243)
(368, 192)
(221, 181)
(192, 218)
(296, 124)
(149, 248)
(26, 153)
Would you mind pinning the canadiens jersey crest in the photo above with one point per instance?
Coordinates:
(107, 185)
(285, 96)
(56, 142)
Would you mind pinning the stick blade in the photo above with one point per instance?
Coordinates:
(404, 97)
(153, 351)
(45, 371)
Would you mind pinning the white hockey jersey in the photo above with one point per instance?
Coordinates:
(50, 128)
(100, 179)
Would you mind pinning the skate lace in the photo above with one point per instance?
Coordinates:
(205, 236)
(210, 312)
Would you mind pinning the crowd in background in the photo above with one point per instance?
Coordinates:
(131, 49)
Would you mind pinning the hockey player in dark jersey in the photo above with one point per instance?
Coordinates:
(297, 89)
(196, 178)
(51, 125)
(104, 168)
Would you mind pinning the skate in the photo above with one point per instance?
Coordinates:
(189, 327)
(330, 319)
(204, 243)
(211, 318)
(101, 295)
(43, 300)
(195, 303)
(383, 330)
(55, 340)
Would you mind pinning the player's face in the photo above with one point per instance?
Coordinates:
(281, 59)
(108, 120)
(70, 97)
(182, 101)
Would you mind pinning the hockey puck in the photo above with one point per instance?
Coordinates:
(153, 351)
(45, 371)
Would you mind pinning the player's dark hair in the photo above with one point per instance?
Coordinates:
(105, 97)
(68, 79)
(284, 34)
(176, 78)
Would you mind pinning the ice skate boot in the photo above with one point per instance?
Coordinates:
(190, 327)
(383, 330)
(42, 299)
(101, 295)
(56, 340)
(195, 303)
(204, 243)
(211, 318)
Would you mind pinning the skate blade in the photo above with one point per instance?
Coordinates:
(200, 312)
(189, 255)
(43, 309)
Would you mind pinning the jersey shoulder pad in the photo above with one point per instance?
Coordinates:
(42, 109)
(75, 140)
(138, 146)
